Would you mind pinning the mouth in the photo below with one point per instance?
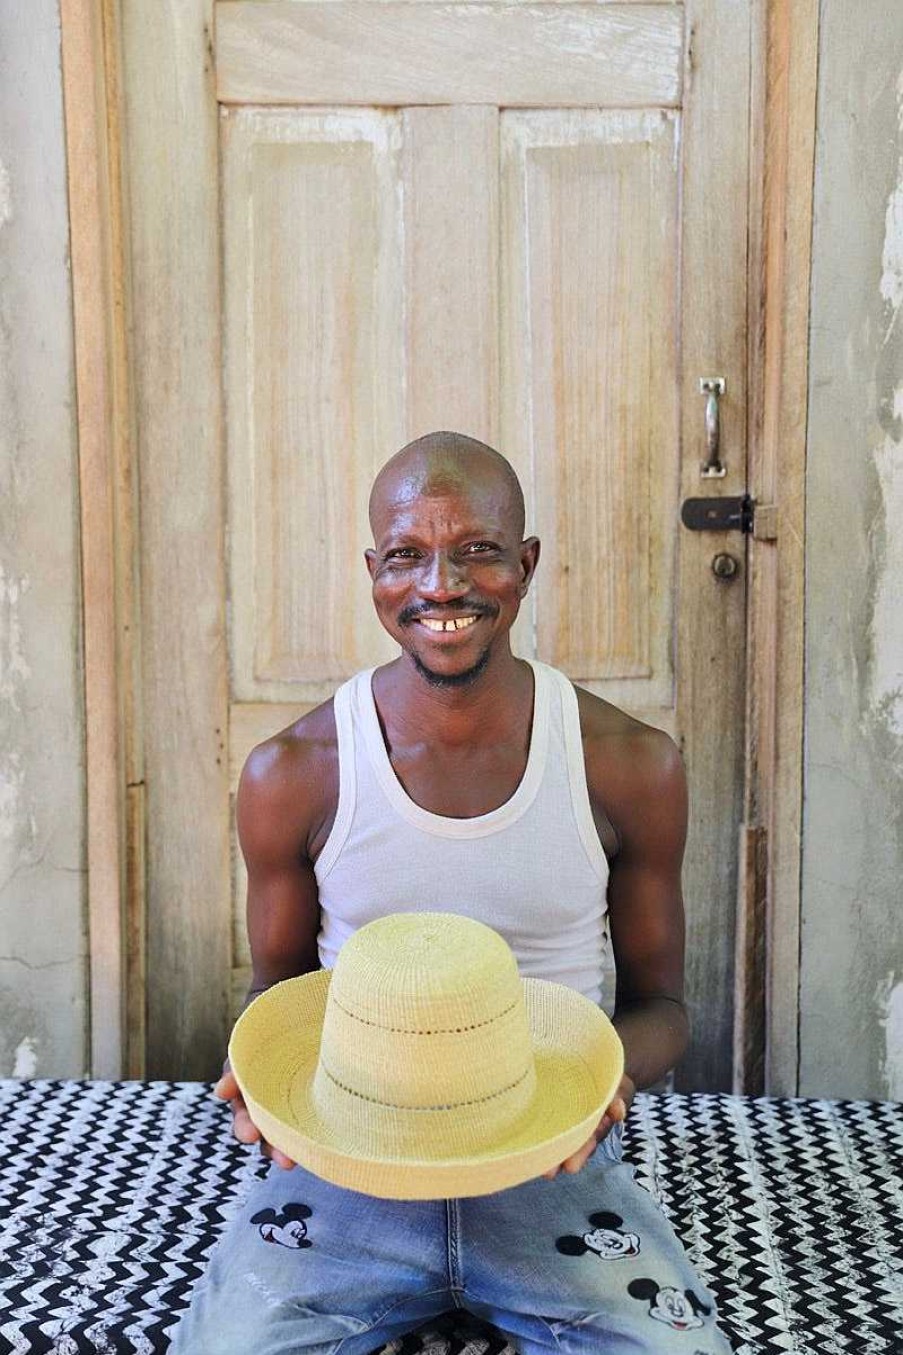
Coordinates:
(450, 626)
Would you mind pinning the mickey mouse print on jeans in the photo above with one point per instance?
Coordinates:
(288, 1229)
(606, 1240)
(677, 1308)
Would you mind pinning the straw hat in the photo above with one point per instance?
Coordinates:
(423, 1066)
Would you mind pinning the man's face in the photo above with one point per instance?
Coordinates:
(449, 572)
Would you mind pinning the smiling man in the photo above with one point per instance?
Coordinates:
(460, 778)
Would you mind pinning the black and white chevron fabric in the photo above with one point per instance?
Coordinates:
(112, 1196)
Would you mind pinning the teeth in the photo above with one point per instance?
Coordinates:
(458, 624)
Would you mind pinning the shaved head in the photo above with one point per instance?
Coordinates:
(449, 565)
(442, 463)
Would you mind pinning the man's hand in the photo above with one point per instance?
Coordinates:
(615, 1114)
(243, 1127)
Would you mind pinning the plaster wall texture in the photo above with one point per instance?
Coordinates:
(43, 974)
(851, 998)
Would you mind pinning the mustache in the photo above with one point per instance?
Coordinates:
(449, 610)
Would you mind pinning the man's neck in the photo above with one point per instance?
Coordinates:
(495, 706)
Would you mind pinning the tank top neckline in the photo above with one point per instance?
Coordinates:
(481, 824)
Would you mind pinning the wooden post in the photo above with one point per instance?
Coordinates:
(780, 230)
(103, 414)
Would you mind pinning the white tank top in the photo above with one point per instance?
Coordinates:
(533, 869)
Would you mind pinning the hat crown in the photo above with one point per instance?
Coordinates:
(426, 1013)
(423, 971)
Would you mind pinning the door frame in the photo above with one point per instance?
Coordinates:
(121, 682)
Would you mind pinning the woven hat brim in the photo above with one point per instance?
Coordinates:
(579, 1063)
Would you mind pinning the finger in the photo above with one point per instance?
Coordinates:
(280, 1158)
(577, 1160)
(227, 1087)
(276, 1155)
(244, 1128)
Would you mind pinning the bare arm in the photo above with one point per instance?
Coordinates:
(283, 905)
(276, 814)
(645, 795)
(646, 913)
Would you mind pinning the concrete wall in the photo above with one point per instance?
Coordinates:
(43, 976)
(851, 1010)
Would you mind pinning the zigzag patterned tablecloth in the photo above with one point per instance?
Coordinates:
(113, 1194)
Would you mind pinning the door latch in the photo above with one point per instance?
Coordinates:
(724, 514)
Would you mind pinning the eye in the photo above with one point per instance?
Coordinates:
(401, 553)
(478, 547)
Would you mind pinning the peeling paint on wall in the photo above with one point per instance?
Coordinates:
(14, 668)
(887, 633)
(6, 197)
(892, 257)
(886, 677)
(884, 722)
(14, 673)
(890, 1017)
(26, 1059)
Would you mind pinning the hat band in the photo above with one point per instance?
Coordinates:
(380, 1130)
(451, 1105)
(459, 1028)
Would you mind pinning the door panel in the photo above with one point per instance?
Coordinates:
(590, 247)
(451, 251)
(313, 296)
(354, 52)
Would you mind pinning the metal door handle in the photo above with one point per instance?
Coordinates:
(712, 387)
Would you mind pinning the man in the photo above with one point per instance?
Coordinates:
(461, 778)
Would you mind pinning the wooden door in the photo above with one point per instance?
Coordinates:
(355, 222)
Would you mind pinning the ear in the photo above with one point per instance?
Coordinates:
(529, 559)
(297, 1211)
(643, 1289)
(697, 1304)
(370, 559)
(606, 1220)
(265, 1216)
(571, 1246)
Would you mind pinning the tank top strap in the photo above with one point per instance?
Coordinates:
(576, 772)
(344, 724)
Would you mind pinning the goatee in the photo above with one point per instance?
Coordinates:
(448, 680)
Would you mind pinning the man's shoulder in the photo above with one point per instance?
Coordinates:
(625, 755)
(296, 749)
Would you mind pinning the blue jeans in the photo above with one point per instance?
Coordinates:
(578, 1265)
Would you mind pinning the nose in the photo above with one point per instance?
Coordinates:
(444, 579)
